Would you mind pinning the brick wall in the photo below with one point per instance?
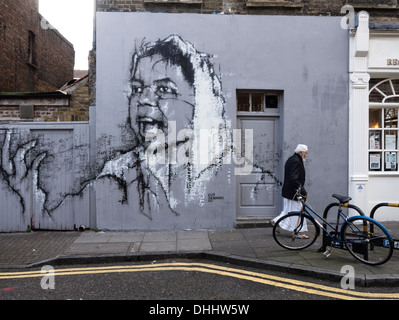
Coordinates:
(385, 10)
(77, 109)
(9, 114)
(53, 58)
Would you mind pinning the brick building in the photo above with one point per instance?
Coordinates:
(33, 56)
(71, 103)
(386, 10)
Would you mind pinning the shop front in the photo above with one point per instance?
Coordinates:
(374, 105)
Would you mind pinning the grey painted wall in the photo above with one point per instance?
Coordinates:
(304, 57)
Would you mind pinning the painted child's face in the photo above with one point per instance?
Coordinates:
(159, 93)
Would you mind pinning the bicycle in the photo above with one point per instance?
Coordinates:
(365, 238)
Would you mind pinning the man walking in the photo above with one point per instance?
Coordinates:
(294, 179)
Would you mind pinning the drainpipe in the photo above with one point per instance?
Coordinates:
(92, 130)
(94, 25)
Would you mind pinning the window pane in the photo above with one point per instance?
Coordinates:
(375, 161)
(391, 161)
(375, 118)
(243, 102)
(394, 99)
(257, 102)
(271, 101)
(391, 118)
(375, 140)
(390, 140)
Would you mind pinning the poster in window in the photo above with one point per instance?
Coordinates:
(390, 142)
(390, 161)
(374, 140)
(375, 161)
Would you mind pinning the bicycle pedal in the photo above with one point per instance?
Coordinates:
(327, 253)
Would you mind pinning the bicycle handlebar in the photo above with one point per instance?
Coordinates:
(298, 195)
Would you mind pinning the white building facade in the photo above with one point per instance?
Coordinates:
(373, 118)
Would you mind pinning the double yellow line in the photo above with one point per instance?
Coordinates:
(286, 283)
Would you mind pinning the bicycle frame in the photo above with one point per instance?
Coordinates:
(336, 238)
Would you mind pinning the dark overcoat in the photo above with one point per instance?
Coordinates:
(294, 177)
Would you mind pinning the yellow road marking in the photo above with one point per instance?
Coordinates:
(292, 284)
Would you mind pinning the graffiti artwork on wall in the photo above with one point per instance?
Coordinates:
(39, 168)
(174, 92)
(176, 139)
(14, 168)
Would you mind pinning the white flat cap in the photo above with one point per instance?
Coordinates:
(301, 148)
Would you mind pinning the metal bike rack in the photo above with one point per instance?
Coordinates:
(376, 207)
(327, 239)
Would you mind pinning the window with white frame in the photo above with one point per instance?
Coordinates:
(383, 125)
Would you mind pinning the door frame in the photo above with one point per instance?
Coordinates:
(275, 114)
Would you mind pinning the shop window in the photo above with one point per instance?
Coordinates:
(383, 126)
(256, 101)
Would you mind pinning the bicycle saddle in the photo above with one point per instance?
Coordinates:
(342, 199)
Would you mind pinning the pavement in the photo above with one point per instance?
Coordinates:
(250, 247)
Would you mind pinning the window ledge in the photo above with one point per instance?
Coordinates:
(384, 173)
(267, 112)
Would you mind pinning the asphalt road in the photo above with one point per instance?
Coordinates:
(197, 283)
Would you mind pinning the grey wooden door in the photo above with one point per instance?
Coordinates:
(258, 192)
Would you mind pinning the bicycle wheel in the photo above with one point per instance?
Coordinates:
(370, 248)
(330, 215)
(295, 231)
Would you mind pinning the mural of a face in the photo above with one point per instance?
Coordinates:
(159, 94)
(169, 81)
(170, 84)
(172, 81)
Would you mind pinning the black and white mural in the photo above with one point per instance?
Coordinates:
(41, 170)
(166, 147)
(177, 127)
(175, 135)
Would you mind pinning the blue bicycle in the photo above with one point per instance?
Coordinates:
(365, 238)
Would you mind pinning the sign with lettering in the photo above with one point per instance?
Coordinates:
(392, 62)
(383, 52)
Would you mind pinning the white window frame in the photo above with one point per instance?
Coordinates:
(382, 150)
